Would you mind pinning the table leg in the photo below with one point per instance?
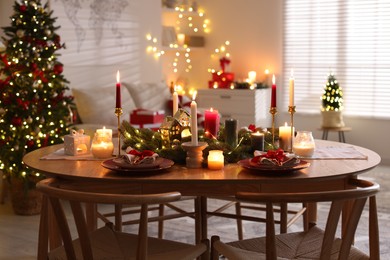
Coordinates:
(312, 214)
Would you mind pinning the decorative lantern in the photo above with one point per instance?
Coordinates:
(172, 128)
(77, 143)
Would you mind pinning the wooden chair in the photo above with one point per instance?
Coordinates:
(316, 243)
(286, 218)
(105, 242)
(121, 215)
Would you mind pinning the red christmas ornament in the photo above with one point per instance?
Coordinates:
(30, 143)
(16, 121)
(58, 69)
(23, 8)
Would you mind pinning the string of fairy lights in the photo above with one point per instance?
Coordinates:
(186, 20)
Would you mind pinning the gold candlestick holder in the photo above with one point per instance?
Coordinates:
(291, 110)
(273, 111)
(118, 113)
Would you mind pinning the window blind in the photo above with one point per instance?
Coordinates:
(350, 38)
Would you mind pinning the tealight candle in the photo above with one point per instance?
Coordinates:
(257, 141)
(215, 160)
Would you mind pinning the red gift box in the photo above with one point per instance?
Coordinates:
(223, 80)
(143, 116)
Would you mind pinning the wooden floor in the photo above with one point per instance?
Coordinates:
(18, 234)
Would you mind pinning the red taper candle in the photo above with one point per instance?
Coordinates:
(273, 92)
(118, 91)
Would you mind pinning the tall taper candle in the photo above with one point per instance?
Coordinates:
(291, 88)
(175, 101)
(273, 92)
(118, 91)
(194, 121)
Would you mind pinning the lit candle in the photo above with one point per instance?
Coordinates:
(285, 137)
(104, 132)
(291, 87)
(175, 101)
(273, 92)
(251, 77)
(304, 144)
(102, 146)
(118, 91)
(231, 131)
(194, 121)
(215, 85)
(211, 121)
(102, 149)
(215, 160)
(181, 39)
(257, 141)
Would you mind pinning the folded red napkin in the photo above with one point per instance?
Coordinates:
(275, 157)
(136, 157)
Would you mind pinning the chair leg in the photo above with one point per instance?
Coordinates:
(283, 218)
(214, 255)
(161, 222)
(118, 217)
(239, 221)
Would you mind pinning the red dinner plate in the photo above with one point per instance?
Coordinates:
(158, 165)
(263, 168)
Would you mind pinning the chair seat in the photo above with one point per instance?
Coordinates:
(109, 244)
(298, 245)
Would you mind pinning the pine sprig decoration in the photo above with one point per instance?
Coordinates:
(332, 97)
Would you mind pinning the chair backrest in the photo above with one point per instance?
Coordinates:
(357, 194)
(57, 191)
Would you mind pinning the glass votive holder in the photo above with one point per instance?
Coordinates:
(102, 145)
(304, 145)
(215, 160)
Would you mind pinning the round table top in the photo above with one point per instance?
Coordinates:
(319, 169)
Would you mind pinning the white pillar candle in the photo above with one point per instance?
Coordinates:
(285, 137)
(291, 88)
(215, 160)
(175, 101)
(194, 121)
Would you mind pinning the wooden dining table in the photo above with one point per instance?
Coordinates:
(321, 175)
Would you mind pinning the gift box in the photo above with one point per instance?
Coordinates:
(77, 143)
(222, 80)
(143, 116)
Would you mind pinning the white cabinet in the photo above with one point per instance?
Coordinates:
(247, 106)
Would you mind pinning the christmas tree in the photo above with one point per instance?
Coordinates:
(34, 108)
(332, 97)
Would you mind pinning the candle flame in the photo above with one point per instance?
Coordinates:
(194, 95)
(285, 124)
(118, 77)
(292, 73)
(273, 79)
(211, 109)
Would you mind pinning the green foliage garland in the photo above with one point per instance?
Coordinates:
(147, 139)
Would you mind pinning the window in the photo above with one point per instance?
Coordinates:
(351, 38)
